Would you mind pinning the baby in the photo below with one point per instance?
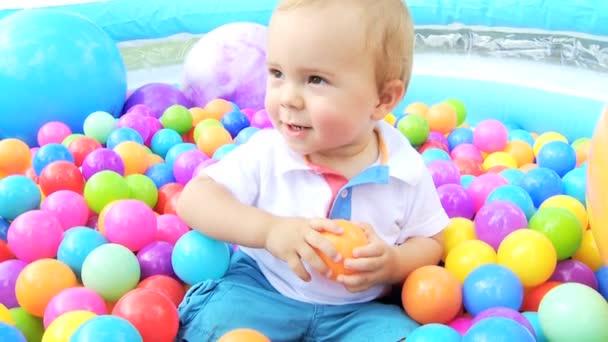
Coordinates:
(336, 68)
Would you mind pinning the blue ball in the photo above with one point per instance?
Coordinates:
(602, 281)
(3, 228)
(76, 245)
(18, 194)
(432, 154)
(461, 135)
(197, 257)
(160, 174)
(575, 184)
(163, 140)
(489, 286)
(541, 183)
(223, 150)
(176, 151)
(532, 317)
(522, 135)
(557, 156)
(498, 329)
(434, 332)
(50, 153)
(466, 180)
(245, 134)
(59, 74)
(106, 328)
(513, 176)
(11, 333)
(516, 195)
(234, 122)
(123, 134)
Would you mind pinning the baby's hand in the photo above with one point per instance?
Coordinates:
(294, 241)
(373, 263)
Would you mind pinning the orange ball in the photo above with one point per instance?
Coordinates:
(419, 108)
(243, 335)
(165, 193)
(40, 281)
(521, 151)
(211, 138)
(154, 159)
(198, 115)
(582, 152)
(442, 118)
(352, 237)
(217, 108)
(134, 156)
(534, 296)
(15, 157)
(431, 294)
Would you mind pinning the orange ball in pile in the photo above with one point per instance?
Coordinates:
(211, 138)
(521, 151)
(442, 118)
(15, 157)
(352, 237)
(216, 109)
(243, 335)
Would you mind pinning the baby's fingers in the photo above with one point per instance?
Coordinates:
(317, 241)
(310, 256)
(326, 225)
(297, 267)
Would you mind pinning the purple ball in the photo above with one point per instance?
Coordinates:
(154, 125)
(456, 201)
(229, 63)
(158, 97)
(261, 120)
(9, 271)
(505, 313)
(574, 271)
(495, 220)
(102, 159)
(444, 172)
(186, 163)
(248, 112)
(137, 122)
(155, 259)
(438, 137)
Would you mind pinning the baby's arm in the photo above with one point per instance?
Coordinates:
(415, 253)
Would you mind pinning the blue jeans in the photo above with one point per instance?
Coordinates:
(243, 298)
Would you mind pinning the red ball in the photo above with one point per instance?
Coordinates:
(61, 175)
(535, 295)
(165, 193)
(81, 147)
(5, 252)
(152, 313)
(433, 144)
(171, 205)
(166, 285)
(468, 166)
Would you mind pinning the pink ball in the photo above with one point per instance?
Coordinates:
(461, 324)
(69, 207)
(130, 223)
(466, 151)
(170, 228)
(506, 313)
(34, 235)
(72, 299)
(137, 122)
(154, 125)
(141, 110)
(490, 136)
(53, 132)
(261, 120)
(482, 186)
(186, 163)
(248, 113)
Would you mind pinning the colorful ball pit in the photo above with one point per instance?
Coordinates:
(90, 243)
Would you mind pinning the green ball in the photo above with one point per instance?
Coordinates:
(415, 128)
(143, 189)
(574, 312)
(105, 187)
(31, 326)
(99, 125)
(204, 124)
(111, 270)
(177, 118)
(561, 227)
(67, 140)
(459, 107)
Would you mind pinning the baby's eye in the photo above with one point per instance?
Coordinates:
(316, 80)
(275, 73)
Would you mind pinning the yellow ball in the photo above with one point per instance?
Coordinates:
(545, 138)
(569, 203)
(467, 256)
(419, 108)
(390, 119)
(64, 326)
(588, 253)
(459, 230)
(529, 254)
(5, 315)
(499, 159)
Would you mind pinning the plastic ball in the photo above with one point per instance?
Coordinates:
(121, 135)
(175, 151)
(166, 285)
(441, 118)
(461, 324)
(14, 157)
(351, 238)
(9, 271)
(29, 325)
(573, 271)
(468, 166)
(212, 138)
(40, 281)
(467, 257)
(5, 252)
(443, 172)
(18, 194)
(415, 128)
(104, 328)
(458, 230)
(197, 257)
(76, 54)
(76, 245)
(161, 174)
(136, 122)
(80, 148)
(498, 329)
(588, 253)
(50, 153)
(533, 319)
(499, 159)
(35, 235)
(418, 108)
(459, 136)
(61, 175)
(490, 136)
(434, 332)
(186, 163)
(541, 183)
(69, 207)
(482, 186)
(513, 194)
(245, 134)
(561, 227)
(177, 118)
(153, 314)
(111, 270)
(157, 97)
(569, 203)
(155, 259)
(456, 201)
(505, 312)
(143, 189)
(491, 286)
(459, 108)
(431, 294)
(534, 296)
(73, 299)
(433, 154)
(466, 151)
(497, 219)
(3, 229)
(234, 122)
(558, 156)
(546, 138)
(101, 160)
(11, 333)
(261, 120)
(223, 151)
(243, 334)
(163, 140)
(521, 135)
(53, 132)
(170, 228)
(134, 157)
(5, 315)
(574, 312)
(575, 184)
(130, 223)
(521, 152)
(602, 280)
(105, 187)
(64, 326)
(165, 194)
(529, 254)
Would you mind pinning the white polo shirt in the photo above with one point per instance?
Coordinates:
(398, 199)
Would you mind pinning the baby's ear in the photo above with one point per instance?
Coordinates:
(391, 93)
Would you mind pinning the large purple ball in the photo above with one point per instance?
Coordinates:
(456, 201)
(495, 220)
(157, 97)
(229, 62)
(9, 271)
(155, 259)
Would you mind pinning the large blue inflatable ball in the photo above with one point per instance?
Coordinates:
(55, 66)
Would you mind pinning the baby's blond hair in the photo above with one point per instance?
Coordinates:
(390, 35)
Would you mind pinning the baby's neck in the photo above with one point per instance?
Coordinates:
(349, 160)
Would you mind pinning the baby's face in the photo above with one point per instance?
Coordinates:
(321, 88)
